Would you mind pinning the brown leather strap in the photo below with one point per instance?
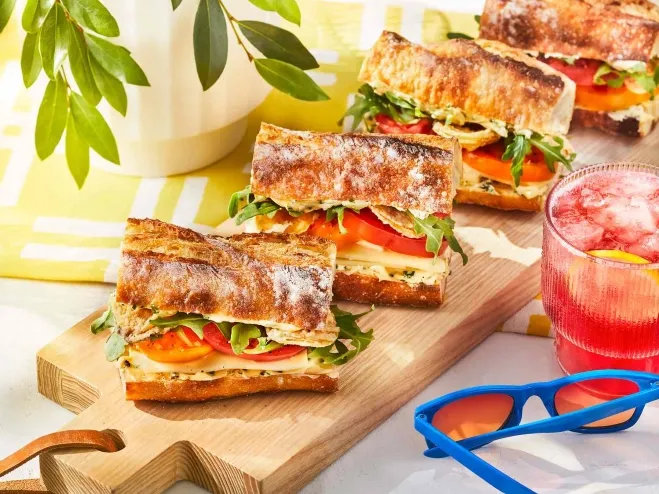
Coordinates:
(101, 441)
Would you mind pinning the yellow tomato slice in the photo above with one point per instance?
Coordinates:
(490, 166)
(179, 346)
(595, 98)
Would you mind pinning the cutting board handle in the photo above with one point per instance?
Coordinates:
(100, 440)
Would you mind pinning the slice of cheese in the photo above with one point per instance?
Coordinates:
(471, 179)
(365, 253)
(215, 362)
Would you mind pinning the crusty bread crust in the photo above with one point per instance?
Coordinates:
(480, 77)
(271, 277)
(607, 30)
(630, 127)
(404, 171)
(179, 390)
(370, 290)
(508, 201)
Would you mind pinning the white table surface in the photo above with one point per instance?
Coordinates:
(388, 460)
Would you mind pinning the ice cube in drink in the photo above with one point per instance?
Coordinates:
(604, 308)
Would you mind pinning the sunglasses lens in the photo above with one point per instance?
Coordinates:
(473, 416)
(585, 394)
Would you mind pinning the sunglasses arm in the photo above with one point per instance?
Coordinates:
(567, 422)
(493, 476)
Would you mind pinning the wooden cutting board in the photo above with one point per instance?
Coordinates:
(278, 443)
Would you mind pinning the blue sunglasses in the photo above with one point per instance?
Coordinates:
(594, 402)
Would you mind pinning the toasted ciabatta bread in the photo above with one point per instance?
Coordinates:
(483, 78)
(291, 165)
(608, 30)
(370, 290)
(277, 279)
(167, 387)
(637, 121)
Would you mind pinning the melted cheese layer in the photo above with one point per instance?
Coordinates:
(364, 253)
(471, 180)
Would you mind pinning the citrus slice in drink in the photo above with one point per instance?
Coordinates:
(596, 285)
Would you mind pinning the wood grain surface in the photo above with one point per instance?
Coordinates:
(277, 443)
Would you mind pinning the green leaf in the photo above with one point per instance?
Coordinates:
(240, 336)
(267, 5)
(175, 4)
(275, 42)
(30, 59)
(35, 13)
(211, 43)
(264, 346)
(338, 213)
(110, 87)
(195, 322)
(93, 128)
(239, 200)
(115, 346)
(517, 149)
(477, 18)
(6, 8)
(81, 68)
(436, 229)
(458, 36)
(359, 109)
(289, 10)
(289, 79)
(77, 155)
(338, 353)
(51, 119)
(54, 40)
(256, 209)
(552, 151)
(106, 320)
(370, 104)
(116, 60)
(93, 15)
(225, 328)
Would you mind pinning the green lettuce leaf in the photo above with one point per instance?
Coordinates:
(195, 322)
(106, 320)
(241, 334)
(115, 346)
(436, 229)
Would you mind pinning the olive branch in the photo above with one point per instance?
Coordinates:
(68, 41)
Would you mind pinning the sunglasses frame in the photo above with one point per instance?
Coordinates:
(441, 446)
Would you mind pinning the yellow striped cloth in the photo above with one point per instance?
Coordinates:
(52, 231)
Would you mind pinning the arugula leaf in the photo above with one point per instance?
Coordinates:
(238, 199)
(436, 229)
(368, 104)
(477, 18)
(257, 209)
(225, 327)
(240, 336)
(458, 36)
(551, 152)
(114, 347)
(517, 148)
(616, 78)
(338, 353)
(195, 322)
(338, 212)
(106, 320)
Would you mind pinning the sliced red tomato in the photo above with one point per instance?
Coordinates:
(388, 125)
(216, 339)
(177, 346)
(487, 161)
(605, 98)
(330, 231)
(368, 227)
(582, 72)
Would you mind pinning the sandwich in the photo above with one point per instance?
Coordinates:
(198, 317)
(608, 48)
(385, 201)
(509, 112)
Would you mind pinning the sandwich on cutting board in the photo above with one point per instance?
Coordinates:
(509, 112)
(608, 47)
(197, 317)
(385, 201)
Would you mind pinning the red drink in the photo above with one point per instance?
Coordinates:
(604, 305)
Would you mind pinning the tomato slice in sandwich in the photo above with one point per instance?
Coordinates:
(608, 99)
(487, 161)
(216, 339)
(582, 71)
(388, 125)
(177, 346)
